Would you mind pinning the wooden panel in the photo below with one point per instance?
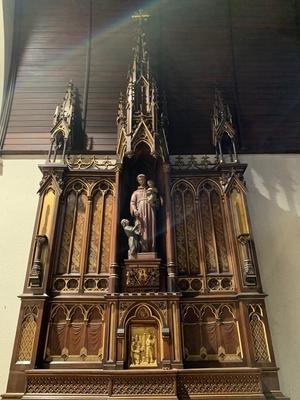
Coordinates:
(52, 51)
(248, 48)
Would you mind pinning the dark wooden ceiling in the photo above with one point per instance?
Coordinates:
(248, 48)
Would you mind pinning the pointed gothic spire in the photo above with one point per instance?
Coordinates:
(62, 126)
(223, 132)
(141, 123)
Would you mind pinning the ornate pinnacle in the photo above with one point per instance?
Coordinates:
(66, 109)
(138, 118)
(61, 132)
(120, 114)
(222, 128)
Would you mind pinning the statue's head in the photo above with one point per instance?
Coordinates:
(141, 178)
(124, 222)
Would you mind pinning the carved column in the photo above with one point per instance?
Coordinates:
(249, 275)
(113, 270)
(171, 284)
(35, 278)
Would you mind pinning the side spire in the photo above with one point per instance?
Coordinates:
(223, 132)
(61, 132)
(138, 118)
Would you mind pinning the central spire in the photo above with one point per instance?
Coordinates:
(140, 67)
(138, 113)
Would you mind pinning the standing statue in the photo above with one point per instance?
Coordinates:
(143, 205)
(150, 349)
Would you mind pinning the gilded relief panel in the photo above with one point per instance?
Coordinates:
(143, 346)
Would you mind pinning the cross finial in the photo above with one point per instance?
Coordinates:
(140, 17)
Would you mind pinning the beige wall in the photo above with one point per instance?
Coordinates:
(19, 181)
(274, 200)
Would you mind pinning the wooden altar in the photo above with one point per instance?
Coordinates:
(187, 321)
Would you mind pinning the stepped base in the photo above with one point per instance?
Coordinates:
(155, 384)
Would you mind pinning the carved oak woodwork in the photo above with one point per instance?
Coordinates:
(94, 323)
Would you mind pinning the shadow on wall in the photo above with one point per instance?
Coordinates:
(274, 204)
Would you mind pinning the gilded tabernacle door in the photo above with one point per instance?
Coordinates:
(143, 345)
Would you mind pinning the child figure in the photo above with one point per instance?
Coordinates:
(152, 194)
(133, 233)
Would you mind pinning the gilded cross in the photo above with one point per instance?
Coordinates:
(140, 17)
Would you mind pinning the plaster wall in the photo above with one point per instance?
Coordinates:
(273, 182)
(19, 181)
(2, 62)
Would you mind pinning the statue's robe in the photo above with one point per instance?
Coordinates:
(146, 218)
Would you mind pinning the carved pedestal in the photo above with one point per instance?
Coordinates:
(142, 274)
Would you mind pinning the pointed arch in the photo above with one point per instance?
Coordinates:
(72, 238)
(238, 209)
(186, 231)
(100, 231)
(47, 212)
(213, 227)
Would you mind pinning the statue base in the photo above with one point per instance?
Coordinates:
(142, 273)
